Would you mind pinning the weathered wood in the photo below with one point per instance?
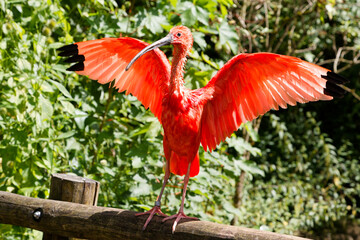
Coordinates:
(83, 221)
(71, 188)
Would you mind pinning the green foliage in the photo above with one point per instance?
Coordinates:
(310, 182)
(302, 164)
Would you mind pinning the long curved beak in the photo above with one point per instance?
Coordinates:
(164, 41)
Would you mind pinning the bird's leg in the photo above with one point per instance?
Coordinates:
(181, 213)
(156, 209)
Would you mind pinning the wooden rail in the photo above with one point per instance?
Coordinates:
(91, 222)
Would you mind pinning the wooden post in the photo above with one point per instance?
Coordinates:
(71, 188)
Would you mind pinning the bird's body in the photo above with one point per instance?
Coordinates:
(181, 118)
(247, 86)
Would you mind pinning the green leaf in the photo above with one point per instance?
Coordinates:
(173, 3)
(251, 131)
(43, 163)
(62, 89)
(72, 144)
(153, 22)
(140, 189)
(8, 155)
(241, 146)
(66, 135)
(46, 107)
(223, 9)
(199, 39)
(48, 161)
(137, 162)
(228, 35)
(309, 56)
(46, 87)
(23, 64)
(80, 118)
(202, 15)
(189, 14)
(56, 45)
(26, 191)
(249, 167)
(109, 171)
(60, 68)
(68, 107)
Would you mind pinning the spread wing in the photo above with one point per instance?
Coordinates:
(105, 60)
(249, 85)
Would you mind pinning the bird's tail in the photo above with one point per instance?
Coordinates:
(179, 165)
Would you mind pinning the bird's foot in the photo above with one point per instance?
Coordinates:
(177, 217)
(155, 210)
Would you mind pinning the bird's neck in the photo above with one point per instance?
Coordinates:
(177, 69)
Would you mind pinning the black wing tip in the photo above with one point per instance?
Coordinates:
(335, 78)
(332, 87)
(69, 46)
(68, 50)
(77, 67)
(72, 52)
(334, 94)
(75, 58)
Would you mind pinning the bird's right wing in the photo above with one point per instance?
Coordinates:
(105, 60)
(249, 85)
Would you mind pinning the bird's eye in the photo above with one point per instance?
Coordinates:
(178, 34)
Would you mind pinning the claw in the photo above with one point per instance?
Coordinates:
(178, 216)
(151, 212)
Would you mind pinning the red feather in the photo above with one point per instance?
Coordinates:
(148, 79)
(249, 85)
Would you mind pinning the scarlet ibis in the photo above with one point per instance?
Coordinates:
(247, 86)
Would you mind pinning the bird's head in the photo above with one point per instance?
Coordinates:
(182, 36)
(178, 36)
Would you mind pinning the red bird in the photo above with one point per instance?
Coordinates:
(247, 86)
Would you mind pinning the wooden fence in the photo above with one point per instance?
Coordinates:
(61, 220)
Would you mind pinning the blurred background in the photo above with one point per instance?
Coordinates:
(293, 171)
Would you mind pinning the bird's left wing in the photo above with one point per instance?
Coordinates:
(105, 60)
(249, 85)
